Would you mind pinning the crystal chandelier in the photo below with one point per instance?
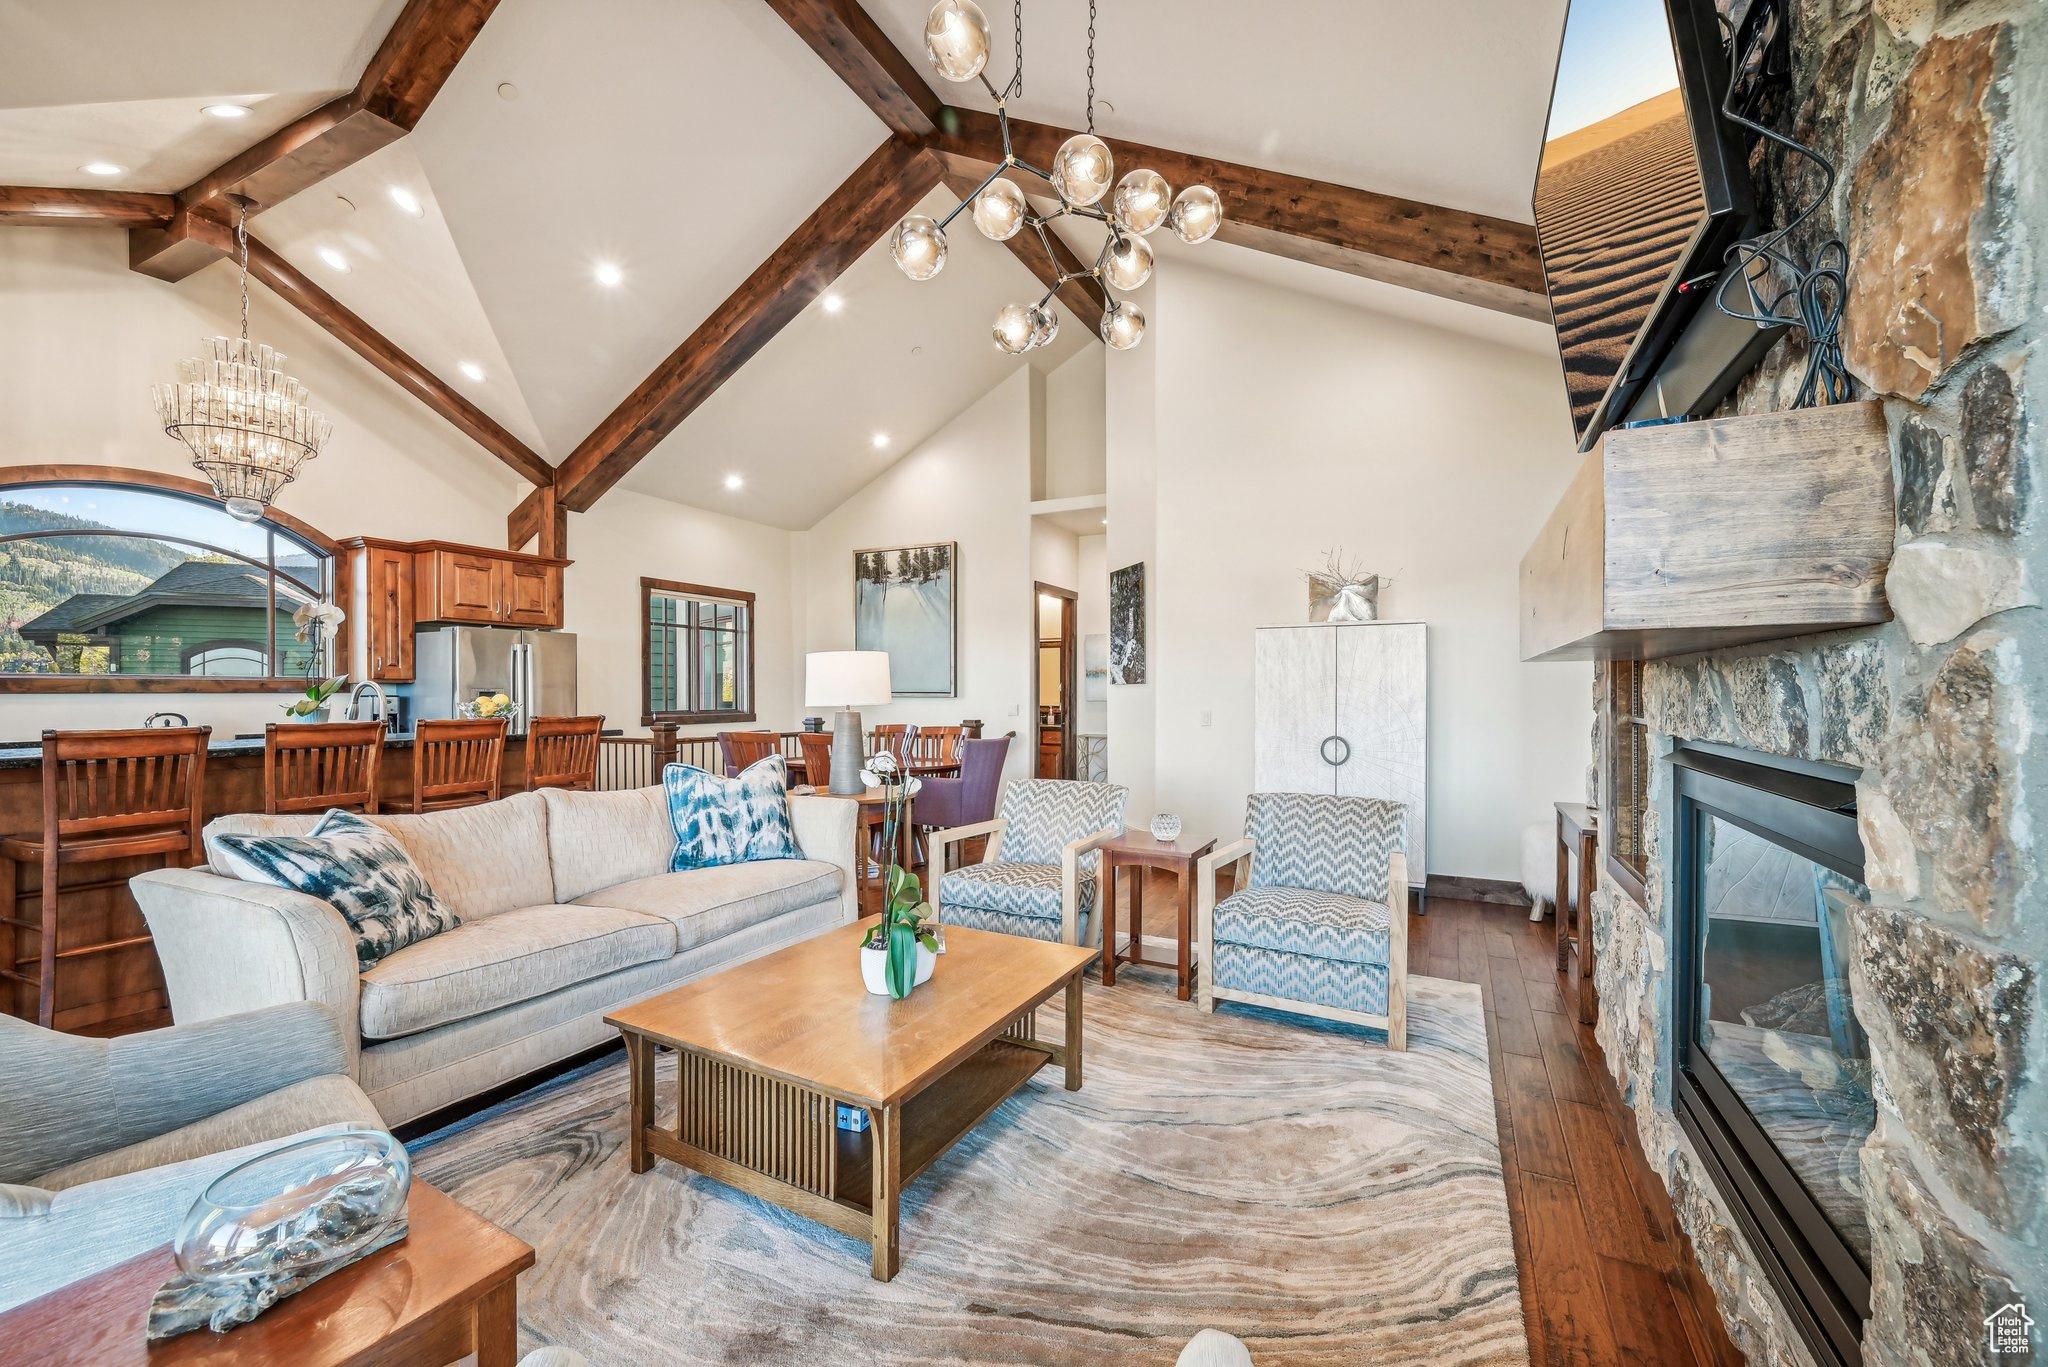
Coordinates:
(247, 423)
(956, 40)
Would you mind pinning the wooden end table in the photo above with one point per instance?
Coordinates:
(771, 1048)
(1140, 850)
(1578, 838)
(448, 1289)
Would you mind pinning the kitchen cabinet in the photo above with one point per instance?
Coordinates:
(378, 598)
(486, 588)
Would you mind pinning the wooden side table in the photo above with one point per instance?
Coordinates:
(1578, 832)
(445, 1291)
(1139, 850)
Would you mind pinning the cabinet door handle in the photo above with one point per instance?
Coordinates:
(1343, 755)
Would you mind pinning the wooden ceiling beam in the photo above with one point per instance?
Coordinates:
(408, 69)
(36, 206)
(336, 319)
(1081, 298)
(1491, 262)
(541, 519)
(862, 56)
(853, 217)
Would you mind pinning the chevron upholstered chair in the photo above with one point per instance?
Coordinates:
(1321, 926)
(1039, 875)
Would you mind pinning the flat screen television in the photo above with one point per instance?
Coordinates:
(1641, 190)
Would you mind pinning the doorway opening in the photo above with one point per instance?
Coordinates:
(1052, 679)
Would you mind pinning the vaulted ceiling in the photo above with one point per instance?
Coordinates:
(690, 147)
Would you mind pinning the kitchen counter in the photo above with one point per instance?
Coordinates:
(29, 754)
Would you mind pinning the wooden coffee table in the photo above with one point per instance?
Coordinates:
(770, 1048)
(448, 1289)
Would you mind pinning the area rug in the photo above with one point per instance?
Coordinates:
(1287, 1180)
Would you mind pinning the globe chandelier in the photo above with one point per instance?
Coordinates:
(956, 40)
(248, 425)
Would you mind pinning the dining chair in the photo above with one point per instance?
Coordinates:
(316, 768)
(457, 763)
(740, 749)
(817, 753)
(969, 798)
(936, 747)
(107, 795)
(897, 739)
(561, 752)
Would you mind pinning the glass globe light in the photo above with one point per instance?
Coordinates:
(1197, 213)
(1123, 325)
(956, 39)
(1128, 264)
(1082, 169)
(919, 246)
(1143, 200)
(1045, 325)
(1014, 328)
(999, 211)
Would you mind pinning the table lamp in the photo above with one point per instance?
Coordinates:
(846, 679)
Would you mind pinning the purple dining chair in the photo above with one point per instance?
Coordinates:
(947, 802)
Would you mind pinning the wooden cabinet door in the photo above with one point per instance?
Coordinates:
(389, 614)
(471, 587)
(532, 594)
(1294, 707)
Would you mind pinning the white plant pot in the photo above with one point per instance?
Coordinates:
(874, 969)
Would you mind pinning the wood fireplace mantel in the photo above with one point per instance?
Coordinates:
(1704, 535)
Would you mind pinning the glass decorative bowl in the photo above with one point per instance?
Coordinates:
(302, 1209)
(1166, 828)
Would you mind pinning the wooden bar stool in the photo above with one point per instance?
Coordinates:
(107, 795)
(561, 752)
(318, 767)
(457, 763)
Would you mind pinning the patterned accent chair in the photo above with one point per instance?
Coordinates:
(1039, 875)
(1321, 926)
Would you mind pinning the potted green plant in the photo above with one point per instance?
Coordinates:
(900, 951)
(313, 705)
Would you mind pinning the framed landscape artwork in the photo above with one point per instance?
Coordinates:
(1127, 624)
(903, 599)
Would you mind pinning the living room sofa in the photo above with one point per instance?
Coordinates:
(568, 912)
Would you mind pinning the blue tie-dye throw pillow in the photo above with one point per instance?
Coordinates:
(721, 820)
(356, 866)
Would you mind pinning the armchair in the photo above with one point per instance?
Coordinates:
(1320, 928)
(1039, 875)
(968, 799)
(105, 1144)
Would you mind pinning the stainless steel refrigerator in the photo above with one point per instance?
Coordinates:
(455, 665)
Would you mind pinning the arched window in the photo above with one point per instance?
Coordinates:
(108, 578)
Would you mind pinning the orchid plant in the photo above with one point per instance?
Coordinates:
(907, 919)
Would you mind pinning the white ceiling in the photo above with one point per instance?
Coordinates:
(124, 81)
(683, 142)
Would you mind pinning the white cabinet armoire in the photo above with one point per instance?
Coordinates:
(1342, 707)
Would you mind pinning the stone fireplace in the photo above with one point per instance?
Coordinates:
(1936, 113)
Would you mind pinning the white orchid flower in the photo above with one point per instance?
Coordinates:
(913, 787)
(870, 779)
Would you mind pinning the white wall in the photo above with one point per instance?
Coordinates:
(1130, 436)
(1091, 618)
(970, 483)
(1287, 424)
(1075, 454)
(82, 339)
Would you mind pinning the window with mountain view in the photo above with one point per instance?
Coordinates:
(109, 581)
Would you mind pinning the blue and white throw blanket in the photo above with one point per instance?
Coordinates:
(721, 820)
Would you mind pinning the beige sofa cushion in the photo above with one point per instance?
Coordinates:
(511, 957)
(479, 860)
(596, 840)
(706, 904)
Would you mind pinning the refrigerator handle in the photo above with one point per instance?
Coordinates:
(522, 681)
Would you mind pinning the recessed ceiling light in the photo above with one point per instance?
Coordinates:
(608, 274)
(408, 201)
(1105, 522)
(734, 482)
(334, 259)
(227, 111)
(831, 303)
(881, 441)
(507, 91)
(102, 168)
(472, 370)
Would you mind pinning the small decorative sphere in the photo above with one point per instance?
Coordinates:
(1045, 325)
(1082, 169)
(1166, 828)
(1143, 200)
(919, 246)
(956, 39)
(1129, 263)
(1000, 210)
(1197, 213)
(1123, 325)
(1013, 328)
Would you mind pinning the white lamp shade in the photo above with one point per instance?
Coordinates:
(846, 678)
